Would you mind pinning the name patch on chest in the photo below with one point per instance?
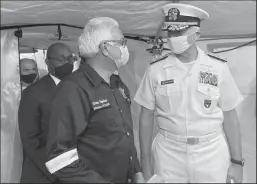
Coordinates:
(100, 104)
(171, 81)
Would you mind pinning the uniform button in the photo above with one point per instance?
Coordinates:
(129, 180)
(130, 157)
(128, 133)
(120, 110)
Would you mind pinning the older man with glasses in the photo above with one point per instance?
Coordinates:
(34, 113)
(91, 129)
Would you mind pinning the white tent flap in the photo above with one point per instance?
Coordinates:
(11, 147)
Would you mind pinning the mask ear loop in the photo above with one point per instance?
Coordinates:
(103, 46)
(197, 32)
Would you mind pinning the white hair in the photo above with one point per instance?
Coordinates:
(95, 31)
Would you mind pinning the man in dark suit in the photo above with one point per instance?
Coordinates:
(34, 111)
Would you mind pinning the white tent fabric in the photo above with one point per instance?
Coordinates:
(228, 19)
(242, 64)
(11, 147)
(243, 70)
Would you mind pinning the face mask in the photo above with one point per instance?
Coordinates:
(179, 44)
(29, 78)
(64, 70)
(124, 57)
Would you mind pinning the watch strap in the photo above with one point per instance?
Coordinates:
(238, 162)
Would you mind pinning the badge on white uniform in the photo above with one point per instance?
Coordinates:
(207, 103)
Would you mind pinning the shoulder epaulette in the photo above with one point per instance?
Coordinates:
(222, 60)
(161, 58)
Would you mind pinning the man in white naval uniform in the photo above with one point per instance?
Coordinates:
(192, 97)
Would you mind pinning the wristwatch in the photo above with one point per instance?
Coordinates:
(238, 162)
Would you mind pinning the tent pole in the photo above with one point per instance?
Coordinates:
(18, 34)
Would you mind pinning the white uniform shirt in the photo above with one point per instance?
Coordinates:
(189, 65)
(189, 103)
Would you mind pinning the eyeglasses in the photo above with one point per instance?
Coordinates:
(69, 59)
(122, 42)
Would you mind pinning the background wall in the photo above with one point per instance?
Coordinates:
(242, 64)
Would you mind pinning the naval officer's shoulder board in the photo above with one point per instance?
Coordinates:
(160, 58)
(157, 60)
(215, 57)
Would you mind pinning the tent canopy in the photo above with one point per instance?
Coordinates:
(228, 19)
(233, 19)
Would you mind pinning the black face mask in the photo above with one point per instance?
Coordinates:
(29, 78)
(64, 70)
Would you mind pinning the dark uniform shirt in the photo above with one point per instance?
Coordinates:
(91, 130)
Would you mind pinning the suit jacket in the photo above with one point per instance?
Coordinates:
(33, 117)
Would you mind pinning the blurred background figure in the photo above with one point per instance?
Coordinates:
(29, 72)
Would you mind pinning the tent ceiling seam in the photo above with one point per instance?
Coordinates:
(127, 34)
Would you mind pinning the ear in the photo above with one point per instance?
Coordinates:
(198, 34)
(104, 48)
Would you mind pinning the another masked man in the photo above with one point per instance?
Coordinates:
(34, 114)
(29, 72)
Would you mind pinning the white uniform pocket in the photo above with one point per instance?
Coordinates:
(169, 97)
(162, 98)
(172, 89)
(209, 97)
(207, 90)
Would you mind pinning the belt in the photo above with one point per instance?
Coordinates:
(189, 140)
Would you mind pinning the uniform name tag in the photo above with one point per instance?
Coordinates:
(100, 104)
(171, 81)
